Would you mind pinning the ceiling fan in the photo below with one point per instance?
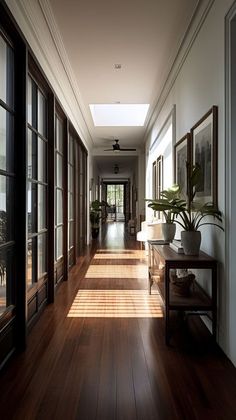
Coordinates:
(116, 148)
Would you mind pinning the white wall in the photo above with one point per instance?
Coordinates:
(198, 84)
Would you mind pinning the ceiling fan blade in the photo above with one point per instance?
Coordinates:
(108, 150)
(128, 150)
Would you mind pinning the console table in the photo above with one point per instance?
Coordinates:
(161, 260)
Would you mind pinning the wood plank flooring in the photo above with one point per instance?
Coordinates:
(113, 366)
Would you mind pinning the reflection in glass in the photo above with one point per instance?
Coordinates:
(59, 239)
(6, 209)
(6, 278)
(41, 160)
(59, 171)
(59, 135)
(41, 207)
(41, 255)
(41, 114)
(59, 208)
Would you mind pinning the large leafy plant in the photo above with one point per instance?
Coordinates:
(95, 213)
(188, 213)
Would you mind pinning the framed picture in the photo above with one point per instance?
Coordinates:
(204, 152)
(181, 157)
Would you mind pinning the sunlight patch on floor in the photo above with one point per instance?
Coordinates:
(116, 255)
(137, 271)
(116, 304)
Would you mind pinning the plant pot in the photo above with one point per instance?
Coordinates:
(191, 241)
(168, 231)
(95, 232)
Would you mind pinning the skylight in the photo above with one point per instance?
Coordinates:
(117, 115)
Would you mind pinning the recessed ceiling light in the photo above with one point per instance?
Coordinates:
(118, 115)
(117, 66)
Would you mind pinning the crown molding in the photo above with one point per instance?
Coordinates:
(198, 18)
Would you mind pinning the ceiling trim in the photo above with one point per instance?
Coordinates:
(198, 18)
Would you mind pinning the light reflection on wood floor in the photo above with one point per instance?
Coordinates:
(117, 303)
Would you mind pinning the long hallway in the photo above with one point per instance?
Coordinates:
(99, 351)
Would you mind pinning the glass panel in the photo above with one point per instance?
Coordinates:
(6, 209)
(59, 171)
(71, 234)
(41, 114)
(31, 207)
(59, 139)
(42, 175)
(29, 101)
(6, 278)
(71, 178)
(71, 212)
(59, 244)
(29, 264)
(59, 207)
(3, 70)
(41, 207)
(6, 140)
(42, 255)
(30, 173)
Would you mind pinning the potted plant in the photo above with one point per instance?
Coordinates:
(192, 214)
(95, 216)
(188, 213)
(166, 204)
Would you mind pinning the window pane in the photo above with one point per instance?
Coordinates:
(41, 160)
(6, 209)
(6, 140)
(41, 207)
(31, 207)
(71, 210)
(29, 264)
(59, 240)
(71, 234)
(6, 278)
(59, 135)
(41, 255)
(59, 208)
(29, 101)
(41, 114)
(59, 171)
(71, 178)
(3, 70)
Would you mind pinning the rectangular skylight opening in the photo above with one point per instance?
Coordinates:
(119, 115)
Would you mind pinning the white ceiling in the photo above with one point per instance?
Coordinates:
(142, 36)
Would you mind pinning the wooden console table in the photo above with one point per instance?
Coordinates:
(161, 260)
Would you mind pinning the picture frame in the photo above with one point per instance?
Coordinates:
(204, 152)
(182, 155)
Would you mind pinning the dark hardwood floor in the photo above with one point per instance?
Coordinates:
(104, 357)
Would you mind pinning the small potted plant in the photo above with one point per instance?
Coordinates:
(188, 213)
(166, 204)
(95, 216)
